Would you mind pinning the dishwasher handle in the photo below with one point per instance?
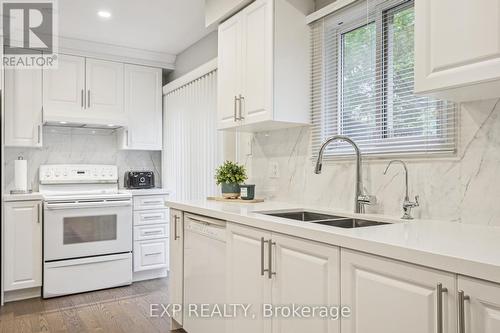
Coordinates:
(206, 220)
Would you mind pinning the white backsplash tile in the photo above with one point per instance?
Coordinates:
(64, 145)
(463, 188)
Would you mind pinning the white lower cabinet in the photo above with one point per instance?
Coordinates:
(176, 264)
(479, 309)
(247, 283)
(151, 236)
(151, 254)
(307, 274)
(388, 296)
(268, 270)
(23, 245)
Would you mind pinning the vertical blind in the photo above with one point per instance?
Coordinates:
(192, 143)
(362, 84)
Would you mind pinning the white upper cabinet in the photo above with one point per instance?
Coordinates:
(23, 244)
(23, 107)
(479, 310)
(104, 83)
(257, 69)
(84, 90)
(457, 49)
(64, 89)
(228, 84)
(143, 107)
(394, 297)
(261, 86)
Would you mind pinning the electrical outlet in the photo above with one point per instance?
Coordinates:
(274, 170)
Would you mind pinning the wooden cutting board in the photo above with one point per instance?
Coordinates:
(256, 200)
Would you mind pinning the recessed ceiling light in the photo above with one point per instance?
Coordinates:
(63, 122)
(104, 14)
(111, 125)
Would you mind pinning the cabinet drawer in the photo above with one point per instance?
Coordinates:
(150, 202)
(151, 217)
(147, 232)
(151, 254)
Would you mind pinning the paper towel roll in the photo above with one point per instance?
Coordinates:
(21, 174)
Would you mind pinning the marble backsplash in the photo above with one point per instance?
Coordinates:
(464, 187)
(64, 145)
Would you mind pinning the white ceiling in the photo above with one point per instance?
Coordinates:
(167, 26)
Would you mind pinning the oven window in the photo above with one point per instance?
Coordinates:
(84, 229)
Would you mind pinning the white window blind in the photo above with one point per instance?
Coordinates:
(362, 84)
(193, 146)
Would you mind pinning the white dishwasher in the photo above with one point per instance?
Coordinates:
(204, 273)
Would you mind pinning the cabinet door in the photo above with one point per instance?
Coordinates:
(143, 97)
(388, 296)
(104, 83)
(23, 107)
(257, 62)
(23, 245)
(245, 282)
(64, 89)
(460, 49)
(228, 72)
(296, 262)
(482, 309)
(176, 262)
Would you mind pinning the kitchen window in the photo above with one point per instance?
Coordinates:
(362, 85)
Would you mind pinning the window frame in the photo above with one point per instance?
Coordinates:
(352, 19)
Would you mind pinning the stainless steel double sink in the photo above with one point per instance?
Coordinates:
(325, 219)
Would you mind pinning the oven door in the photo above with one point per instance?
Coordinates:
(76, 229)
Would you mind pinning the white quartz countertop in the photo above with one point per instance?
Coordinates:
(472, 250)
(22, 197)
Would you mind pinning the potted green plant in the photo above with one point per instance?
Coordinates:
(230, 175)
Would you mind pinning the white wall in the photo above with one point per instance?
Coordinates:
(464, 188)
(195, 55)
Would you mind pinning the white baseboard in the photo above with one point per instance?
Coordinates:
(149, 275)
(17, 295)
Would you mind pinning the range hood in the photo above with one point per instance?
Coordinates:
(77, 122)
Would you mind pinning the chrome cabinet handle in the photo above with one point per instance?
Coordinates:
(39, 134)
(175, 227)
(240, 99)
(152, 254)
(39, 213)
(127, 139)
(461, 310)
(153, 232)
(152, 217)
(88, 98)
(439, 295)
(152, 202)
(262, 246)
(83, 99)
(235, 107)
(270, 270)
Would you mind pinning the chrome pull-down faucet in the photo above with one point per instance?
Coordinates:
(407, 204)
(360, 199)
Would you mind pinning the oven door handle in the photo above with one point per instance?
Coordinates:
(96, 204)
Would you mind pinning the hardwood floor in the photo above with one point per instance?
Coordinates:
(123, 309)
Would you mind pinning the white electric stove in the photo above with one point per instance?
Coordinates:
(87, 229)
